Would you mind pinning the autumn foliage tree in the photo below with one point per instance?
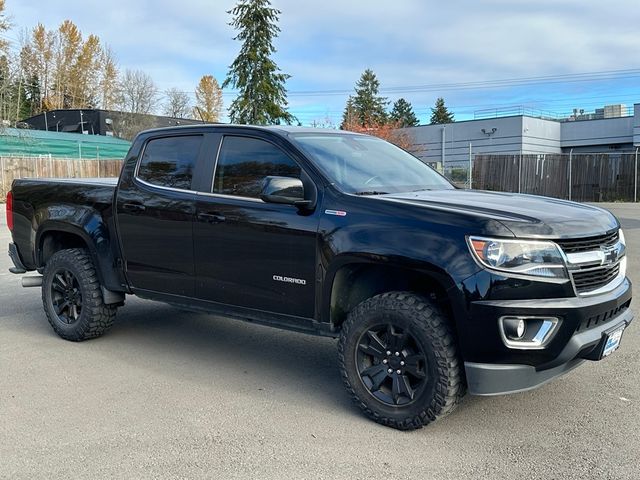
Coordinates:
(69, 70)
(208, 100)
(5, 25)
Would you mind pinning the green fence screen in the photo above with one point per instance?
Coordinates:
(29, 143)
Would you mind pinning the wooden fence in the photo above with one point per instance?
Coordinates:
(605, 177)
(48, 167)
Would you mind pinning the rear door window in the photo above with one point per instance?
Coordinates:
(170, 161)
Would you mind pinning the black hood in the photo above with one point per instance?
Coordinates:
(525, 215)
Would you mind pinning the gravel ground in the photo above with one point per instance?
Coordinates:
(169, 394)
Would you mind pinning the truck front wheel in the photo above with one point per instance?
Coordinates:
(72, 296)
(399, 360)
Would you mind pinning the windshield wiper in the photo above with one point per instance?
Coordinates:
(370, 192)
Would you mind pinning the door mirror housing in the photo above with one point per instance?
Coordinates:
(284, 190)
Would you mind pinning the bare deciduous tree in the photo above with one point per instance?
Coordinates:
(177, 104)
(109, 80)
(138, 92)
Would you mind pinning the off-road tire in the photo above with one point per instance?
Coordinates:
(425, 322)
(95, 318)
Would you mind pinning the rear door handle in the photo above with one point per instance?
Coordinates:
(133, 207)
(211, 217)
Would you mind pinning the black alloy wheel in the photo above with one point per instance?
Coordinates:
(66, 297)
(391, 364)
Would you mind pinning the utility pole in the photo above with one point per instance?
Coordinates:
(520, 173)
(470, 166)
(570, 163)
(635, 183)
(442, 151)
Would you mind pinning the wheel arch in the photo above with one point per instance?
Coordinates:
(53, 236)
(354, 281)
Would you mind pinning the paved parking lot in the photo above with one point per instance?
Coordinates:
(169, 394)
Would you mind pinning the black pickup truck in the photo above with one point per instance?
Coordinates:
(431, 290)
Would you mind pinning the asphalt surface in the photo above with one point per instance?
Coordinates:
(169, 394)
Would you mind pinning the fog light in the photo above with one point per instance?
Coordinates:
(514, 328)
(520, 329)
(527, 333)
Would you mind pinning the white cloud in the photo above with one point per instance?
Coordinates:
(326, 45)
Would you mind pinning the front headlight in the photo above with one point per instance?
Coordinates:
(521, 257)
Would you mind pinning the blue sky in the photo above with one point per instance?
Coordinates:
(326, 45)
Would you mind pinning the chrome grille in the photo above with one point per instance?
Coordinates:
(589, 279)
(586, 244)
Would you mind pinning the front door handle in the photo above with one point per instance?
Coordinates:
(133, 207)
(211, 217)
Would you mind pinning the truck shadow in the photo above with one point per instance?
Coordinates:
(229, 353)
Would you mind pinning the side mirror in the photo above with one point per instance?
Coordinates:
(285, 190)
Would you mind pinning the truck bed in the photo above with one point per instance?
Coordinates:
(75, 201)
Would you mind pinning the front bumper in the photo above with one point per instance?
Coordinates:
(580, 337)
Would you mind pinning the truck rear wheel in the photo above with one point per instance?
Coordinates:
(399, 360)
(72, 296)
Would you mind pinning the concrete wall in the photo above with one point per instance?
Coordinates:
(507, 138)
(509, 135)
(605, 132)
(540, 136)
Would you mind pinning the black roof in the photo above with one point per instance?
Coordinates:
(282, 129)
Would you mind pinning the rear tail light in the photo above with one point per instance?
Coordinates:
(10, 211)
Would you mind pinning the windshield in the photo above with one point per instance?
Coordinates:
(367, 165)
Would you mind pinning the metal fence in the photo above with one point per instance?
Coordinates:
(602, 177)
(597, 177)
(49, 167)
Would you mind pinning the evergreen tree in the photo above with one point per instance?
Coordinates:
(369, 107)
(440, 113)
(403, 114)
(262, 97)
(349, 115)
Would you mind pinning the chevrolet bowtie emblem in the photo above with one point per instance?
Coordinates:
(610, 254)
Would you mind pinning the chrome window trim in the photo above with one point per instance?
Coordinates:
(169, 189)
(236, 197)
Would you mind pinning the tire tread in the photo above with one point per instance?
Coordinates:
(100, 316)
(450, 387)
